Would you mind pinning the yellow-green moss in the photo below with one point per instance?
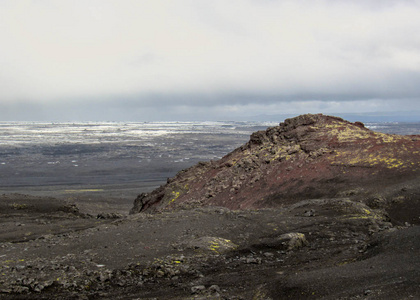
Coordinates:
(215, 244)
(346, 133)
(18, 206)
(362, 158)
(175, 195)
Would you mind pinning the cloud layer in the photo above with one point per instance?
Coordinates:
(239, 53)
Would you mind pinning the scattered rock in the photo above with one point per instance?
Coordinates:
(109, 216)
(214, 289)
(294, 240)
(367, 292)
(309, 213)
(198, 289)
(287, 241)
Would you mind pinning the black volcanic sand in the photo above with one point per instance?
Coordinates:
(315, 249)
(90, 199)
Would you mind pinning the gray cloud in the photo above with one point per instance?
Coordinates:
(131, 110)
(239, 56)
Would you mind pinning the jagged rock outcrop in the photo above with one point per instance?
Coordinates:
(309, 156)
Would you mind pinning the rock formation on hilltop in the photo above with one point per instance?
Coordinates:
(309, 156)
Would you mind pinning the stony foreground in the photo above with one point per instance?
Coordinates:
(314, 249)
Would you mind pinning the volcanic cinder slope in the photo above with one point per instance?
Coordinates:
(306, 157)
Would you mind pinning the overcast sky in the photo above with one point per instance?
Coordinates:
(217, 60)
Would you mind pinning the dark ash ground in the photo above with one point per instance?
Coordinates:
(315, 249)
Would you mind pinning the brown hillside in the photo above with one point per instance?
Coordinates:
(309, 156)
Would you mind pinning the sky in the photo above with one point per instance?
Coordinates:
(158, 60)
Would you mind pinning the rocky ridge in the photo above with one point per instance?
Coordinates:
(310, 156)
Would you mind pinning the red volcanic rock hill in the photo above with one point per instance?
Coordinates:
(306, 157)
